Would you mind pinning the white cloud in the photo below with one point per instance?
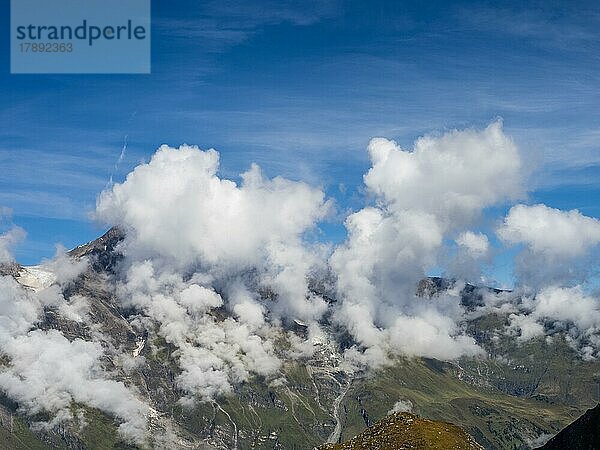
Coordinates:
(76, 308)
(476, 244)
(177, 209)
(64, 268)
(550, 232)
(422, 195)
(568, 304)
(452, 177)
(526, 327)
(19, 309)
(198, 299)
(560, 308)
(213, 354)
(182, 218)
(401, 406)
(471, 254)
(47, 372)
(196, 242)
(8, 240)
(557, 244)
(177, 206)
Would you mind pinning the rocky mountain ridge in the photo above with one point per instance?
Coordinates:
(507, 402)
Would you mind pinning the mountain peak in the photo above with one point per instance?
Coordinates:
(101, 250)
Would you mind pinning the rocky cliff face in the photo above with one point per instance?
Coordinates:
(507, 400)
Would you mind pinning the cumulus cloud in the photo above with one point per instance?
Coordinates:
(177, 206)
(476, 244)
(196, 241)
(557, 244)
(19, 309)
(246, 242)
(452, 177)
(213, 354)
(7, 242)
(551, 232)
(422, 195)
(560, 309)
(215, 268)
(47, 372)
(557, 259)
(76, 309)
(467, 260)
(177, 209)
(197, 244)
(63, 267)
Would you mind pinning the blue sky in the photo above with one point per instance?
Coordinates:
(300, 88)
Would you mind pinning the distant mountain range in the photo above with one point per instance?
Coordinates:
(517, 398)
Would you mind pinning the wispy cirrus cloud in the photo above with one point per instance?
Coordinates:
(547, 24)
(218, 25)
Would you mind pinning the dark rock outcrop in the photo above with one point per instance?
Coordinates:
(583, 434)
(102, 251)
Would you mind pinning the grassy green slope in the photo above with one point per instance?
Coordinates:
(495, 419)
(287, 416)
(503, 403)
(21, 437)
